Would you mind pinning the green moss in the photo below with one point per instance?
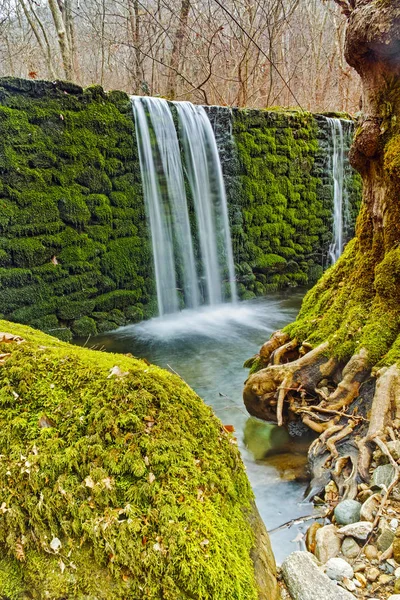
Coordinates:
(71, 194)
(133, 474)
(285, 197)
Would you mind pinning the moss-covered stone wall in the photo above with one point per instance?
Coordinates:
(278, 175)
(75, 257)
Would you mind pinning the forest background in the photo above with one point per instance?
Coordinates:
(255, 53)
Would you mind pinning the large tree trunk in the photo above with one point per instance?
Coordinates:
(338, 360)
(176, 57)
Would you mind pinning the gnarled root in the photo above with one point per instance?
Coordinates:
(385, 408)
(328, 397)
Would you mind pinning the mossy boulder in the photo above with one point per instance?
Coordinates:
(118, 482)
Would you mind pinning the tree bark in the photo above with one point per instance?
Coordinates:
(176, 50)
(353, 313)
(62, 39)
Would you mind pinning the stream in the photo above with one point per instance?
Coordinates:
(207, 348)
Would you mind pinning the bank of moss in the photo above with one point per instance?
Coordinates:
(356, 303)
(127, 468)
(75, 256)
(283, 193)
(73, 229)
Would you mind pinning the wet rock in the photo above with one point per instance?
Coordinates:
(261, 438)
(362, 580)
(306, 581)
(383, 476)
(350, 548)
(370, 507)
(327, 543)
(370, 552)
(396, 546)
(360, 530)
(372, 574)
(347, 511)
(349, 584)
(394, 448)
(338, 569)
(385, 540)
(311, 537)
(384, 579)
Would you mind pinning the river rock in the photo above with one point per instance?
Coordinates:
(370, 507)
(385, 540)
(370, 552)
(396, 546)
(385, 578)
(306, 581)
(311, 537)
(350, 548)
(383, 476)
(397, 586)
(327, 543)
(338, 569)
(394, 597)
(360, 530)
(373, 574)
(394, 448)
(347, 511)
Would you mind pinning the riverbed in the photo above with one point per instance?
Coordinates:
(207, 348)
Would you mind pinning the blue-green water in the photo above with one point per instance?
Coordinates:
(207, 348)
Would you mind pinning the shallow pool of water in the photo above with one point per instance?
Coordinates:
(207, 348)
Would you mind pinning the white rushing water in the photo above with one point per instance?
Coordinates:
(173, 234)
(336, 247)
(208, 190)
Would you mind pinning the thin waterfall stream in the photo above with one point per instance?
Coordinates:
(339, 192)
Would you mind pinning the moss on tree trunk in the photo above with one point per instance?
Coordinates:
(339, 358)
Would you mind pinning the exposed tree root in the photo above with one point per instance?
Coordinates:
(307, 384)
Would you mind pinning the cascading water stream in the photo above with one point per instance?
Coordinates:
(169, 222)
(336, 247)
(208, 190)
(163, 180)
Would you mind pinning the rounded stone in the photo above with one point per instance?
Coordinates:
(370, 552)
(397, 586)
(383, 476)
(338, 569)
(370, 507)
(350, 548)
(347, 512)
(373, 574)
(385, 540)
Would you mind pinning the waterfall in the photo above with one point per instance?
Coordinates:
(208, 190)
(174, 235)
(339, 198)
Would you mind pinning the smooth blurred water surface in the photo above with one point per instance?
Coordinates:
(207, 348)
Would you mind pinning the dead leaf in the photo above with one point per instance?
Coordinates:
(7, 338)
(55, 544)
(19, 552)
(89, 482)
(117, 372)
(229, 428)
